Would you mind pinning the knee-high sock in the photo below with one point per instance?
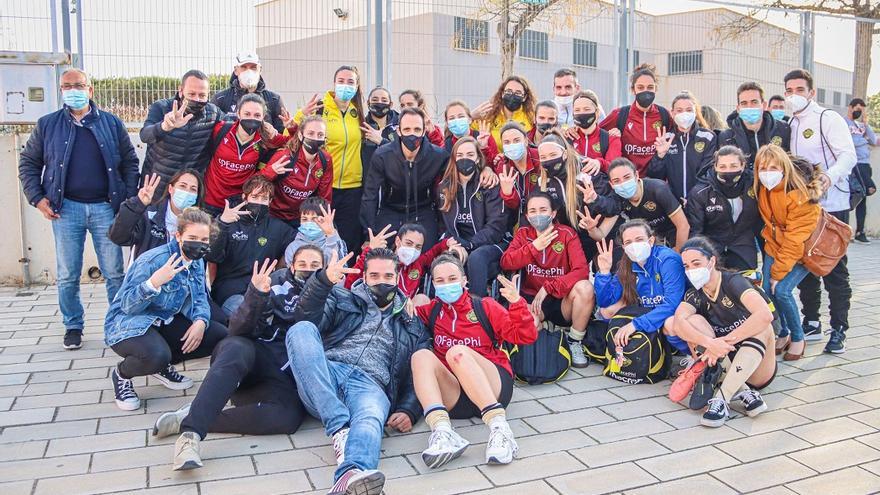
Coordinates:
(746, 361)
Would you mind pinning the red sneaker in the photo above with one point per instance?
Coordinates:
(683, 385)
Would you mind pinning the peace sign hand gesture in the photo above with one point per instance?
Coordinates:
(508, 288)
(261, 277)
(587, 190)
(588, 222)
(325, 221)
(545, 238)
(370, 134)
(280, 167)
(145, 194)
(311, 106)
(231, 215)
(507, 180)
(286, 118)
(177, 117)
(166, 272)
(336, 269)
(485, 132)
(604, 259)
(380, 240)
(663, 143)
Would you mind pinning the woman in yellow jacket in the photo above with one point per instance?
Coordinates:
(788, 192)
(514, 100)
(342, 110)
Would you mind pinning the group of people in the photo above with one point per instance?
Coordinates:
(365, 265)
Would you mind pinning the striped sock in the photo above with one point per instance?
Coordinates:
(493, 411)
(437, 417)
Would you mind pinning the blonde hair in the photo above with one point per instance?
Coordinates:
(572, 168)
(797, 173)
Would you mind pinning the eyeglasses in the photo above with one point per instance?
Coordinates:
(74, 86)
(515, 93)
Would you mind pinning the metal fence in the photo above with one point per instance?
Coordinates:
(449, 49)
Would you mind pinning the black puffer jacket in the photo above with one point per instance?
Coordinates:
(227, 100)
(337, 312)
(141, 227)
(771, 131)
(187, 147)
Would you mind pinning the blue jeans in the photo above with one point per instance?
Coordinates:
(232, 303)
(339, 395)
(70, 239)
(783, 298)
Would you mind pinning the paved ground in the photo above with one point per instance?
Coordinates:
(61, 433)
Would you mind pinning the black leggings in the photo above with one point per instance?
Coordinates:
(160, 346)
(425, 217)
(482, 268)
(347, 203)
(249, 372)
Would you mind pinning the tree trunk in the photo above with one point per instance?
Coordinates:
(508, 54)
(864, 41)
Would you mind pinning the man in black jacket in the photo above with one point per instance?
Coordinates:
(351, 361)
(247, 78)
(178, 130)
(752, 125)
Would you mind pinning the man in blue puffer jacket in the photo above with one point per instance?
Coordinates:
(77, 168)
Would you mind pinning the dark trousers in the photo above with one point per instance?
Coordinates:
(347, 203)
(837, 285)
(427, 218)
(249, 372)
(160, 346)
(482, 267)
(864, 171)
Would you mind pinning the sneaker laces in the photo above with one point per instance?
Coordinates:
(748, 397)
(188, 443)
(171, 373)
(499, 438)
(717, 405)
(686, 363)
(441, 439)
(125, 389)
(836, 337)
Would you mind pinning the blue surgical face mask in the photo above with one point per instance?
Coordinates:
(449, 293)
(183, 199)
(75, 98)
(310, 230)
(459, 127)
(751, 115)
(778, 113)
(515, 151)
(626, 190)
(345, 92)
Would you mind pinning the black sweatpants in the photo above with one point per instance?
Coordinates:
(864, 171)
(837, 285)
(160, 346)
(347, 203)
(264, 397)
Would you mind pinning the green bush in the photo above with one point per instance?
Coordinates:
(130, 97)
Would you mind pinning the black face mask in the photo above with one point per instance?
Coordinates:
(465, 166)
(383, 294)
(257, 210)
(411, 141)
(379, 109)
(555, 167)
(857, 114)
(302, 276)
(195, 250)
(546, 126)
(250, 126)
(195, 107)
(731, 184)
(584, 120)
(512, 102)
(313, 146)
(645, 98)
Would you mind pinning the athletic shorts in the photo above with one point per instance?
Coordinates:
(465, 408)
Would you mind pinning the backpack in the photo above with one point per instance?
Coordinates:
(545, 361)
(218, 138)
(643, 359)
(594, 340)
(623, 116)
(604, 139)
(479, 310)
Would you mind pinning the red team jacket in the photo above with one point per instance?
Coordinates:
(411, 276)
(638, 134)
(306, 179)
(591, 147)
(557, 268)
(524, 185)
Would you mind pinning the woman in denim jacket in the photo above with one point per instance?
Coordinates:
(161, 315)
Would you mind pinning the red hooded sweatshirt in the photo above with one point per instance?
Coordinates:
(306, 179)
(638, 134)
(591, 147)
(411, 276)
(557, 268)
(457, 324)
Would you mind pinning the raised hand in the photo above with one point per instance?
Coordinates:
(588, 222)
(429, 125)
(587, 190)
(380, 240)
(177, 117)
(280, 167)
(370, 134)
(286, 118)
(231, 215)
(312, 105)
(590, 166)
(488, 178)
(268, 131)
(166, 272)
(482, 110)
(337, 270)
(325, 221)
(145, 194)
(604, 258)
(509, 288)
(485, 133)
(260, 279)
(545, 238)
(507, 179)
(663, 143)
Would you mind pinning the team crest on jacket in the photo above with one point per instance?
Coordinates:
(479, 196)
(319, 173)
(656, 125)
(700, 146)
(558, 246)
(657, 277)
(471, 316)
(777, 140)
(413, 274)
(808, 133)
(726, 302)
(597, 147)
(262, 241)
(752, 193)
(534, 179)
(650, 205)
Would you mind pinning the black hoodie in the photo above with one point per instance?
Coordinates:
(689, 156)
(227, 100)
(771, 131)
(389, 134)
(480, 211)
(139, 226)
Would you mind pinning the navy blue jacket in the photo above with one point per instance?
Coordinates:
(43, 165)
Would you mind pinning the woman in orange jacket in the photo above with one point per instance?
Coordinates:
(788, 194)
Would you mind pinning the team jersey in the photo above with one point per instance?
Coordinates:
(725, 311)
(658, 204)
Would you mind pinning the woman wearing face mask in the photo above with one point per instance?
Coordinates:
(161, 314)
(412, 98)
(247, 234)
(380, 123)
(473, 215)
(342, 110)
(686, 153)
(301, 170)
(723, 317)
(546, 118)
(144, 225)
(724, 210)
(593, 143)
(555, 273)
(518, 169)
(641, 123)
(788, 195)
(514, 100)
(649, 275)
(466, 374)
(458, 125)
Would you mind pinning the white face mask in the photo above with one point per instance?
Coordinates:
(563, 100)
(249, 79)
(698, 277)
(770, 178)
(797, 102)
(408, 255)
(638, 252)
(685, 119)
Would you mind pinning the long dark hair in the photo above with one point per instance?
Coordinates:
(180, 173)
(295, 142)
(625, 273)
(449, 184)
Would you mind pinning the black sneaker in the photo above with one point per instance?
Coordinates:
(172, 379)
(717, 414)
(73, 339)
(836, 342)
(812, 331)
(126, 398)
(861, 237)
(752, 402)
(704, 389)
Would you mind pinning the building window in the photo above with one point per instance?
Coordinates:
(533, 44)
(686, 63)
(849, 98)
(637, 58)
(837, 98)
(585, 53)
(820, 95)
(471, 34)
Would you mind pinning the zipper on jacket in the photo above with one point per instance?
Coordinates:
(645, 126)
(344, 145)
(684, 168)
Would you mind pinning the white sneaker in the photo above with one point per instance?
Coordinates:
(339, 439)
(578, 357)
(501, 448)
(443, 446)
(186, 452)
(169, 423)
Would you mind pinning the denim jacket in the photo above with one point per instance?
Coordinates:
(136, 306)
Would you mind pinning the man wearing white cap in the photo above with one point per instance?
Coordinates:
(246, 78)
